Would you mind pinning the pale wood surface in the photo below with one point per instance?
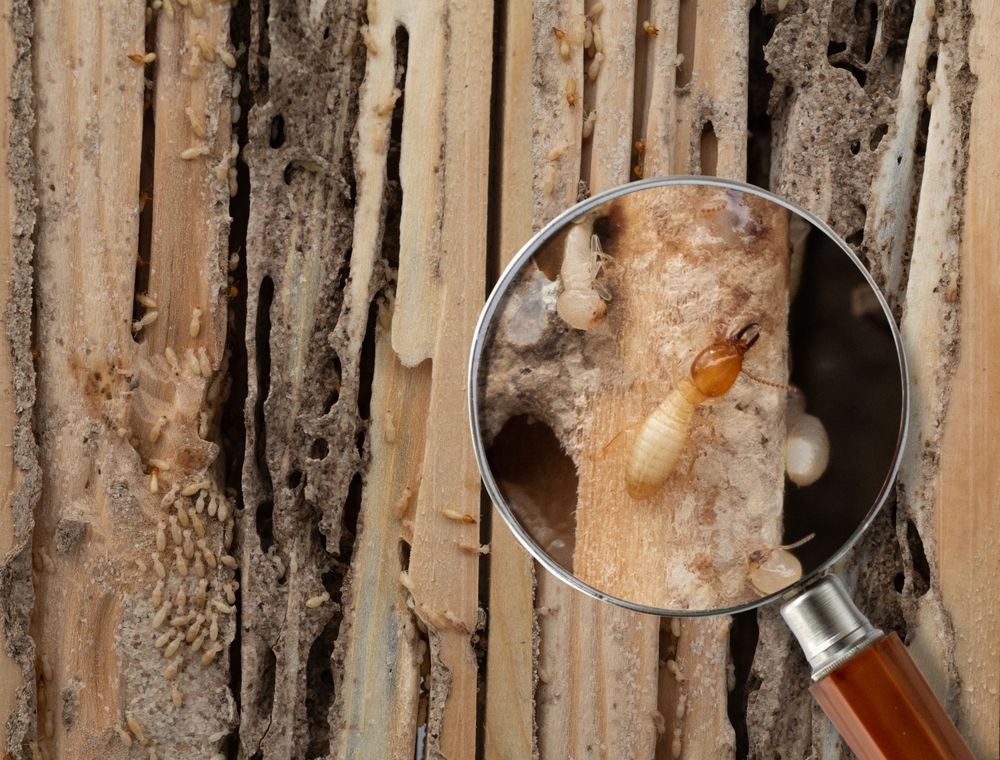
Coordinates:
(93, 596)
(968, 491)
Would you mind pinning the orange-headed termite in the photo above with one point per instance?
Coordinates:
(662, 435)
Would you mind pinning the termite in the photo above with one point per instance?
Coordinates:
(315, 602)
(189, 154)
(136, 728)
(195, 327)
(549, 180)
(158, 593)
(771, 570)
(147, 319)
(571, 92)
(177, 697)
(588, 125)
(650, 29)
(171, 357)
(563, 43)
(145, 300)
(452, 514)
(580, 304)
(197, 123)
(154, 432)
(807, 446)
(204, 365)
(661, 438)
(596, 10)
(228, 59)
(198, 8)
(595, 66)
(142, 58)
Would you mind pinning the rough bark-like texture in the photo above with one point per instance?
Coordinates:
(19, 472)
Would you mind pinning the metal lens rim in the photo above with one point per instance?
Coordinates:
(494, 302)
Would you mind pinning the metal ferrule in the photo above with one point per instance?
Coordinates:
(829, 628)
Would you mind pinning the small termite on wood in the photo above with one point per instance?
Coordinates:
(142, 58)
(595, 66)
(194, 328)
(145, 301)
(227, 58)
(195, 151)
(580, 305)
(452, 514)
(771, 570)
(315, 602)
(389, 104)
(562, 42)
(588, 125)
(197, 123)
(650, 28)
(661, 438)
(144, 321)
(136, 728)
(473, 548)
(570, 90)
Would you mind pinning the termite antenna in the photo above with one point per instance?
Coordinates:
(800, 542)
(769, 383)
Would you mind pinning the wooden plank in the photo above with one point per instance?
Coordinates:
(101, 393)
(510, 664)
(968, 491)
(19, 473)
(449, 476)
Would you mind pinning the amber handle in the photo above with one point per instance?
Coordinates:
(884, 708)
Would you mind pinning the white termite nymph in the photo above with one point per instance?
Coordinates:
(318, 601)
(190, 154)
(195, 327)
(588, 125)
(772, 570)
(579, 304)
(807, 446)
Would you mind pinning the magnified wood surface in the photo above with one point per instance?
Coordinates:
(244, 247)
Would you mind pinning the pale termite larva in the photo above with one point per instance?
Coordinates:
(661, 438)
(125, 736)
(198, 8)
(192, 488)
(195, 327)
(570, 90)
(145, 300)
(650, 29)
(227, 561)
(318, 601)
(136, 728)
(659, 722)
(154, 481)
(142, 58)
(595, 11)
(473, 548)
(171, 357)
(199, 566)
(176, 697)
(175, 531)
(772, 570)
(588, 125)
(180, 561)
(197, 524)
(170, 672)
(580, 305)
(196, 151)
(222, 607)
(147, 319)
(183, 517)
(203, 362)
(227, 58)
(456, 622)
(387, 107)
(157, 597)
(154, 432)
(160, 464)
(197, 123)
(595, 66)
(206, 659)
(807, 446)
(549, 180)
(562, 42)
(204, 48)
(173, 646)
(452, 514)
(161, 571)
(598, 39)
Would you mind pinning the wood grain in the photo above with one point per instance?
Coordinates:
(969, 483)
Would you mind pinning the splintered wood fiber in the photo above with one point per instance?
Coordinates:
(243, 250)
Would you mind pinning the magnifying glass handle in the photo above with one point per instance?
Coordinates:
(867, 683)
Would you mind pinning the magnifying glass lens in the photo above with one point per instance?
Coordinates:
(687, 397)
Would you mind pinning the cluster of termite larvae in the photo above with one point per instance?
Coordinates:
(659, 440)
(200, 50)
(189, 599)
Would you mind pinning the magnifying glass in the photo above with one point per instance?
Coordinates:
(688, 398)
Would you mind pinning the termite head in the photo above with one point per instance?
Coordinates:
(715, 369)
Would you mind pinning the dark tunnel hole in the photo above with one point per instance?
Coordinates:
(276, 136)
(918, 560)
(527, 456)
(319, 449)
(264, 523)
